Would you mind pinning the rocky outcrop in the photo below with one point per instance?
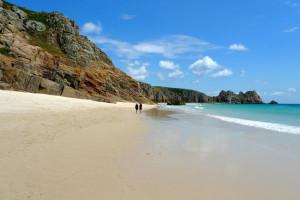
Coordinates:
(45, 53)
(273, 102)
(177, 96)
(250, 97)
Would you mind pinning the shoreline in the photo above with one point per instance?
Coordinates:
(110, 152)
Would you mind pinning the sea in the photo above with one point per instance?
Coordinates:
(284, 118)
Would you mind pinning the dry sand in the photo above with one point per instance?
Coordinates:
(61, 148)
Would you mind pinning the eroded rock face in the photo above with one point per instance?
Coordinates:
(47, 54)
(51, 57)
(250, 97)
(77, 47)
(22, 15)
(35, 26)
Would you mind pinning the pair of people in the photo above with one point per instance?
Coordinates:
(138, 107)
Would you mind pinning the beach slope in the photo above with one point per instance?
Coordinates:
(62, 148)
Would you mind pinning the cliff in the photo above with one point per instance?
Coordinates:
(45, 53)
(177, 95)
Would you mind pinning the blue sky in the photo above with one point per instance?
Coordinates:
(206, 45)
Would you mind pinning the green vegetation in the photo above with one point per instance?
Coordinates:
(4, 51)
(7, 5)
(37, 16)
(44, 44)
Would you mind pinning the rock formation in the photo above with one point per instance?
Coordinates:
(273, 102)
(181, 96)
(45, 53)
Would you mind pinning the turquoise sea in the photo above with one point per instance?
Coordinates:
(281, 118)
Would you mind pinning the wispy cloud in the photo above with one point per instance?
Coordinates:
(223, 73)
(91, 28)
(290, 30)
(127, 17)
(174, 70)
(166, 64)
(170, 46)
(138, 70)
(238, 47)
(292, 90)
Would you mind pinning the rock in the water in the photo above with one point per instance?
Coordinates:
(35, 26)
(273, 102)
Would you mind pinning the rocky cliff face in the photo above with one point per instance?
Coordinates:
(45, 53)
(179, 96)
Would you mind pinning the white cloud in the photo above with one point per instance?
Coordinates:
(176, 74)
(238, 47)
(290, 30)
(204, 65)
(138, 70)
(292, 90)
(223, 73)
(169, 46)
(127, 17)
(149, 48)
(165, 64)
(92, 28)
(173, 67)
(243, 73)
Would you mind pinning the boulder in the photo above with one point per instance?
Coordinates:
(50, 87)
(1, 3)
(70, 92)
(4, 86)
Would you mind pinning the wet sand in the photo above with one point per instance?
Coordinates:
(197, 157)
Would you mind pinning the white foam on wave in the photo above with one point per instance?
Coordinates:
(258, 124)
(199, 107)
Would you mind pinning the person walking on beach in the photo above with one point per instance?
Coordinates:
(141, 107)
(136, 108)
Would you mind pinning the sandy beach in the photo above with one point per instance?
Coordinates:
(69, 149)
(61, 148)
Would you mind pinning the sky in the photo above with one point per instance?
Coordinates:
(205, 45)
